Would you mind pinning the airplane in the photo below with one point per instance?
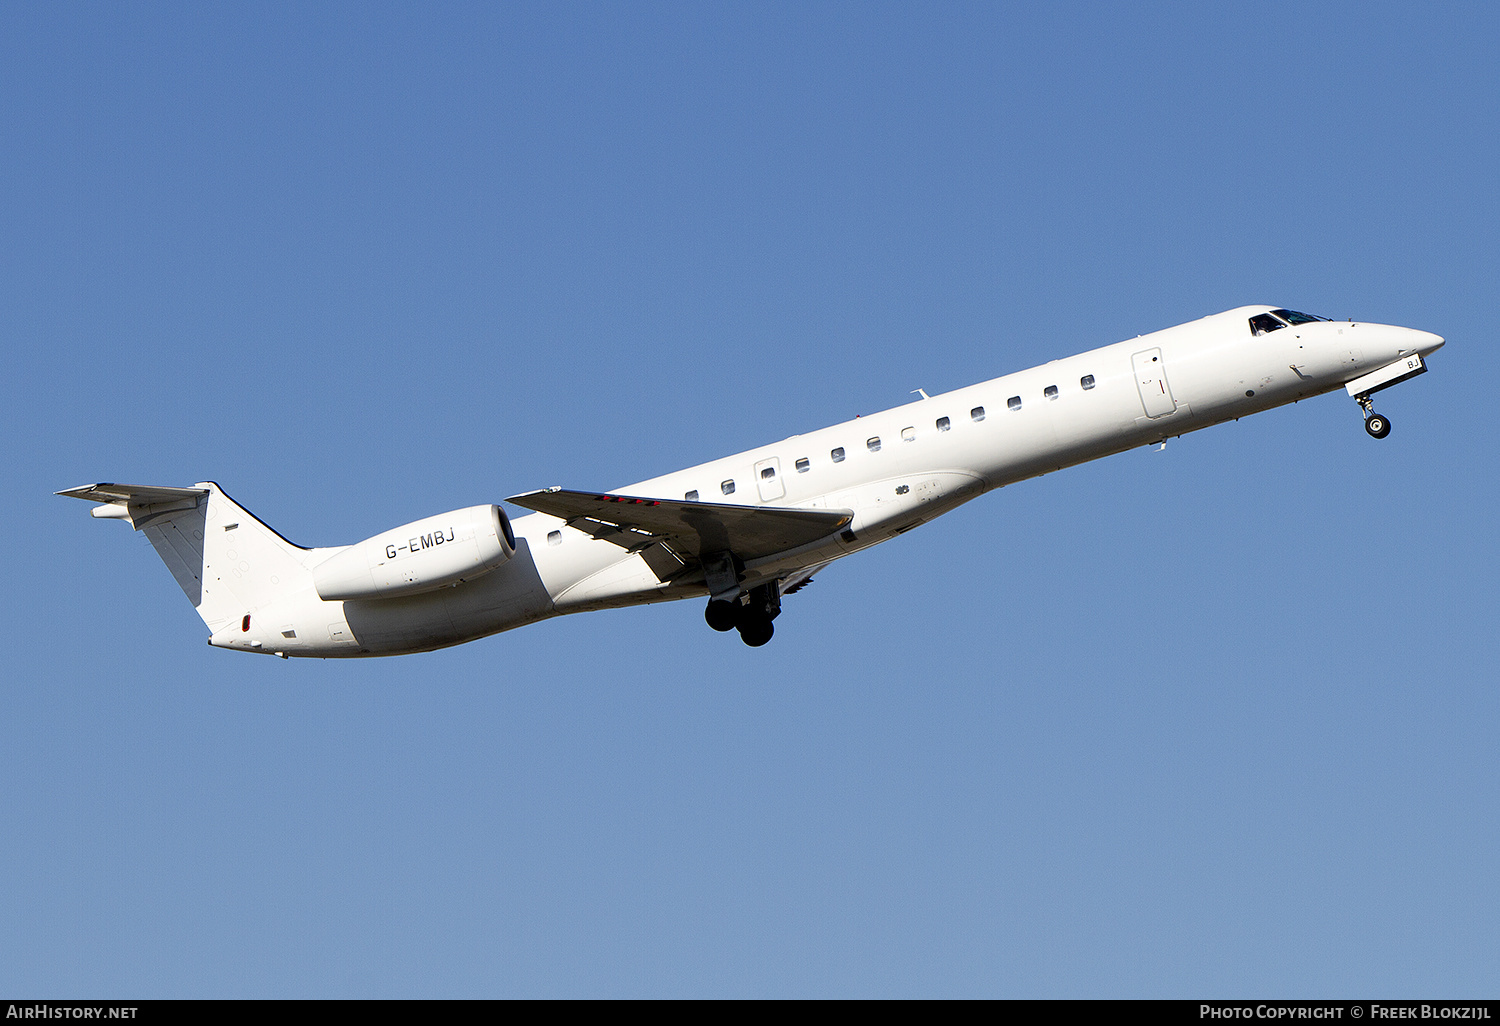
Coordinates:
(750, 529)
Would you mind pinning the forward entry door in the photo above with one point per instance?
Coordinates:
(1151, 379)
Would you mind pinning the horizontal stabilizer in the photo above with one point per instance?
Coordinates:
(133, 495)
(689, 529)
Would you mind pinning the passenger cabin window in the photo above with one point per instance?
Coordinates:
(943, 423)
(873, 444)
(837, 454)
(727, 487)
(1050, 391)
(908, 434)
(977, 413)
(1014, 402)
(767, 473)
(1087, 381)
(554, 537)
(1260, 324)
(692, 496)
(803, 466)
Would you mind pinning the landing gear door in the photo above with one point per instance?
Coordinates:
(768, 479)
(1151, 379)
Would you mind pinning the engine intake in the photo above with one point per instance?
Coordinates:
(422, 556)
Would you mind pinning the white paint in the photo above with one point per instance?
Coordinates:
(1219, 371)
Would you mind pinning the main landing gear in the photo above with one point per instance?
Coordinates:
(751, 615)
(1376, 425)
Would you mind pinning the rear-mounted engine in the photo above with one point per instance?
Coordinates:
(422, 556)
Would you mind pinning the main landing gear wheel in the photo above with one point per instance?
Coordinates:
(756, 630)
(721, 615)
(751, 616)
(762, 605)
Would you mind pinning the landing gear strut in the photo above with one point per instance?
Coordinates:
(762, 605)
(1377, 425)
(721, 572)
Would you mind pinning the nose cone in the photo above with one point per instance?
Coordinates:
(1425, 342)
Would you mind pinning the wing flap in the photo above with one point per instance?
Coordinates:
(689, 529)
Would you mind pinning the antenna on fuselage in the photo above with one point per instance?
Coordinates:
(920, 392)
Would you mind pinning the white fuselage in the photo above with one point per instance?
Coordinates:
(896, 469)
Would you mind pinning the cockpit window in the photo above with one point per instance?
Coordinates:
(1262, 323)
(1293, 317)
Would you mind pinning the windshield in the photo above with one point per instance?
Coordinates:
(1293, 317)
(1262, 323)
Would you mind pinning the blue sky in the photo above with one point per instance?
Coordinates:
(1217, 720)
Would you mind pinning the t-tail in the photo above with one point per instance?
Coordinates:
(227, 562)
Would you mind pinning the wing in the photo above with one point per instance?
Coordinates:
(691, 530)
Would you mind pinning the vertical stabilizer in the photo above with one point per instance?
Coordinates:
(227, 562)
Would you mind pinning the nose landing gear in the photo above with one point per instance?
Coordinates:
(1376, 425)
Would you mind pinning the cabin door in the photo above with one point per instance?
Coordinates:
(1151, 379)
(768, 478)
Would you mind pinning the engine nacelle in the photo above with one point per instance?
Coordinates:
(422, 556)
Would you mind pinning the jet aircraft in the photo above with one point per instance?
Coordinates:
(747, 530)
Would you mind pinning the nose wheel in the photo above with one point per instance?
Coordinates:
(1376, 425)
